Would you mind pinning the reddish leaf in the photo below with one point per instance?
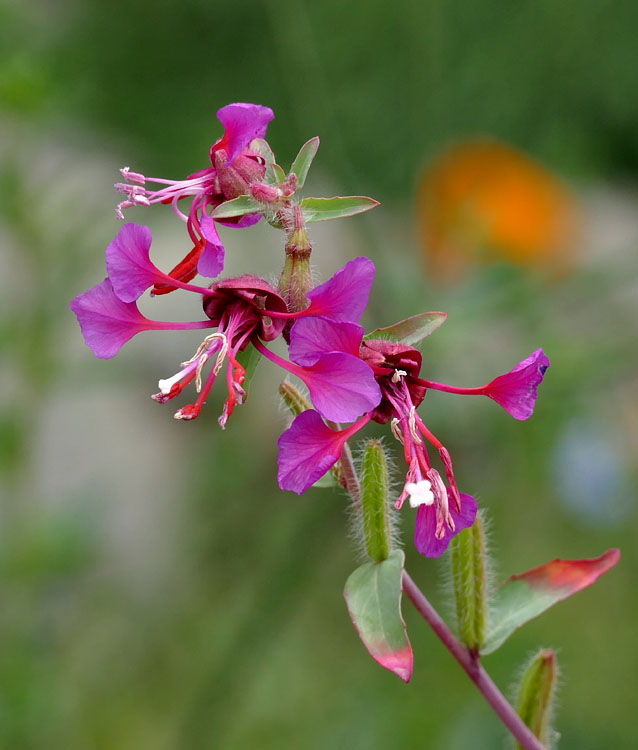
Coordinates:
(526, 595)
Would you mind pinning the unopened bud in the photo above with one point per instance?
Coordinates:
(375, 502)
(265, 193)
(235, 179)
(469, 577)
(296, 278)
(293, 398)
(536, 695)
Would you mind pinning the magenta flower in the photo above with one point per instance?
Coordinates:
(325, 351)
(107, 322)
(309, 448)
(516, 391)
(234, 167)
(443, 511)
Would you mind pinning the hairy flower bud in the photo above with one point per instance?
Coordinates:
(469, 578)
(296, 278)
(536, 695)
(293, 398)
(375, 501)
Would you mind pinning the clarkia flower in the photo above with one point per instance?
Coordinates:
(234, 168)
(243, 310)
(309, 448)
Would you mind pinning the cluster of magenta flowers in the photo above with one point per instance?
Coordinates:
(350, 378)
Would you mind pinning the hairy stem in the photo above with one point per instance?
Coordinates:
(473, 667)
(468, 660)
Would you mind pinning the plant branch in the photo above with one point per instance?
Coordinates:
(469, 661)
(473, 667)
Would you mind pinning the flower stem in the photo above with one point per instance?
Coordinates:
(468, 660)
(472, 666)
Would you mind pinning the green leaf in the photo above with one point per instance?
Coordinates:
(237, 207)
(373, 596)
(249, 358)
(410, 331)
(303, 160)
(278, 174)
(328, 480)
(274, 173)
(526, 595)
(322, 209)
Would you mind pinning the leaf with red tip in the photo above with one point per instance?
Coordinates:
(526, 595)
(410, 331)
(373, 596)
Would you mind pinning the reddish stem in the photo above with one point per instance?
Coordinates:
(473, 667)
(468, 660)
(480, 391)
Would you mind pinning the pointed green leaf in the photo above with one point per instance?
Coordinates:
(373, 596)
(278, 174)
(249, 358)
(274, 173)
(262, 147)
(323, 209)
(327, 481)
(237, 207)
(303, 160)
(526, 595)
(410, 331)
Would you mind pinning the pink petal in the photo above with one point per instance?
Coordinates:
(342, 387)
(106, 321)
(247, 220)
(211, 261)
(127, 260)
(424, 532)
(307, 450)
(345, 295)
(516, 391)
(243, 123)
(313, 336)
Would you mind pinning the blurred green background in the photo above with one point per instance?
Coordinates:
(158, 590)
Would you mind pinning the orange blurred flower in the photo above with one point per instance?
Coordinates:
(484, 201)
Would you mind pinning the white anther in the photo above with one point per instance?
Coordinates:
(397, 375)
(413, 430)
(420, 493)
(166, 385)
(202, 354)
(396, 430)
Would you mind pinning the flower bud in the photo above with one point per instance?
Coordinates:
(536, 695)
(293, 398)
(296, 278)
(375, 502)
(265, 193)
(469, 578)
(236, 178)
